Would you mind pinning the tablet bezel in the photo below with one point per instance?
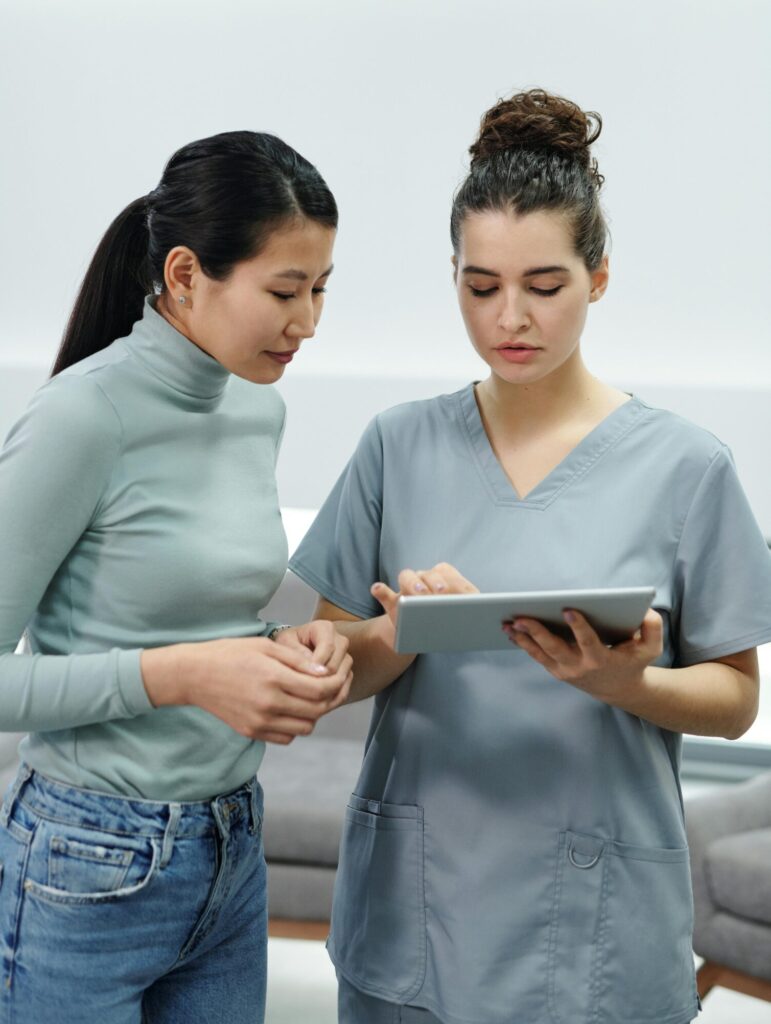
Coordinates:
(468, 622)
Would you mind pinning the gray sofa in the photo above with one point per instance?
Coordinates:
(729, 834)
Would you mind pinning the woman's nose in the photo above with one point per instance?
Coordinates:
(303, 323)
(514, 315)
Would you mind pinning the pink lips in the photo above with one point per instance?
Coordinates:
(517, 354)
(282, 357)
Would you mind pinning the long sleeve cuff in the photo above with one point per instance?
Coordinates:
(131, 684)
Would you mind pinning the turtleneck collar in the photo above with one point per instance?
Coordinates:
(174, 358)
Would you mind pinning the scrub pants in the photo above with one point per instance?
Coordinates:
(126, 911)
(354, 1007)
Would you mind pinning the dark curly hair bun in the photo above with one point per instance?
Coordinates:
(536, 120)
(533, 153)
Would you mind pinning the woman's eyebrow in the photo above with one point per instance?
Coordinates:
(300, 275)
(532, 272)
(480, 270)
(555, 268)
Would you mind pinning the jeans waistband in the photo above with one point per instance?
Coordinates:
(52, 799)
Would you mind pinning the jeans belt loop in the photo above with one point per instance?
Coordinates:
(175, 810)
(254, 824)
(221, 816)
(22, 777)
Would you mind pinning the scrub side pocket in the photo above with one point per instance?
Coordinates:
(648, 973)
(620, 936)
(378, 934)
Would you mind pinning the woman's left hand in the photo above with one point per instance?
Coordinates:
(607, 673)
(327, 647)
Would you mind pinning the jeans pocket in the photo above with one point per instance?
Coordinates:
(79, 867)
(378, 936)
(577, 927)
(649, 970)
(73, 865)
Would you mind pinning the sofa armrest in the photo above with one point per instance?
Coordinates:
(729, 811)
(737, 808)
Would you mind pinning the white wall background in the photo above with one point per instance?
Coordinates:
(385, 96)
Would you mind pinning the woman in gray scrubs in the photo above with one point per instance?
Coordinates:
(514, 851)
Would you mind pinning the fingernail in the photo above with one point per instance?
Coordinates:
(569, 617)
(440, 586)
(419, 588)
(320, 670)
(519, 627)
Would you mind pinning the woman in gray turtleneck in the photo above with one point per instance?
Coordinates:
(141, 537)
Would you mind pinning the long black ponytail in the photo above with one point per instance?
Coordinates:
(221, 197)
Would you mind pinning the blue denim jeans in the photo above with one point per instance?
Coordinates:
(121, 911)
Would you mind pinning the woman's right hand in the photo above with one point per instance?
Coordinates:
(261, 689)
(442, 579)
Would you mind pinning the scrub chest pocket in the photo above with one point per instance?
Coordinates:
(606, 961)
(380, 906)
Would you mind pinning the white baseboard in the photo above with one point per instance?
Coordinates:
(326, 416)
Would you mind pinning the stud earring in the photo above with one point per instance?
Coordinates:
(182, 299)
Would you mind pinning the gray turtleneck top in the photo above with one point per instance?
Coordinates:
(138, 508)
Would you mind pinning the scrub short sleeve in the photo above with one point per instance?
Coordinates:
(722, 570)
(339, 555)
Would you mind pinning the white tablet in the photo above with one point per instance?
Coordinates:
(472, 622)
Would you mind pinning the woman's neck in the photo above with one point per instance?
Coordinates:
(569, 396)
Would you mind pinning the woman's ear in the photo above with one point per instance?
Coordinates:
(180, 272)
(599, 280)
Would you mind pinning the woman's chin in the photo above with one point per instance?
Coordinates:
(260, 374)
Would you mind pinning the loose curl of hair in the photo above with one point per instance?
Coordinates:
(533, 153)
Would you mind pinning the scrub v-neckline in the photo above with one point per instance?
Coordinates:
(578, 461)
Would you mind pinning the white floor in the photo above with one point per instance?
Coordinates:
(302, 990)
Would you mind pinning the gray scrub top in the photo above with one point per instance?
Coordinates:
(515, 850)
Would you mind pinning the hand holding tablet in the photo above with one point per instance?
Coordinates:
(472, 622)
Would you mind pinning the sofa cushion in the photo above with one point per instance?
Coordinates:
(738, 871)
(300, 892)
(738, 943)
(307, 786)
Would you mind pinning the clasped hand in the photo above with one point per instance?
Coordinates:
(272, 690)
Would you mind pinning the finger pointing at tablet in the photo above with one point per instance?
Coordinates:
(442, 579)
(445, 579)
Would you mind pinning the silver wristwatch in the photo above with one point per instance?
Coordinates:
(276, 630)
